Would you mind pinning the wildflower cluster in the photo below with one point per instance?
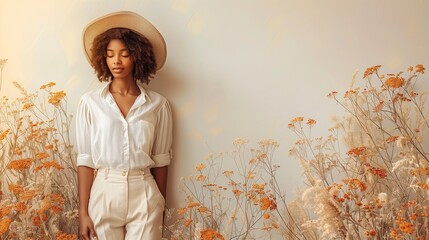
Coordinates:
(38, 175)
(241, 203)
(378, 188)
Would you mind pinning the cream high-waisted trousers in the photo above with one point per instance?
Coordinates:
(126, 205)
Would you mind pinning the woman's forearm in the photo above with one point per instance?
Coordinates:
(85, 176)
(160, 175)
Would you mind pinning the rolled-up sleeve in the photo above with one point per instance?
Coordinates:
(162, 151)
(83, 135)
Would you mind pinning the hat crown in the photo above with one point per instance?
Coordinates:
(129, 20)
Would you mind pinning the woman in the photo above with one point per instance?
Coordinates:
(124, 132)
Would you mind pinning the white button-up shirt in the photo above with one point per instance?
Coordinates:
(107, 139)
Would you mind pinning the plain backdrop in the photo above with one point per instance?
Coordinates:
(235, 68)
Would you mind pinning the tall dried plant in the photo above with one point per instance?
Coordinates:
(244, 202)
(38, 174)
(378, 187)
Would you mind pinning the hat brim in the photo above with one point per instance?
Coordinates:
(132, 21)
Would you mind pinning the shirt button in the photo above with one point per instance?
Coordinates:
(124, 173)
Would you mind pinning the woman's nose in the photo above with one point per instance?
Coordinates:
(117, 60)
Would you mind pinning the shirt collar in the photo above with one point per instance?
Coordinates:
(105, 94)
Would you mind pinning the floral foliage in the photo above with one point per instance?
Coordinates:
(241, 203)
(38, 175)
(377, 188)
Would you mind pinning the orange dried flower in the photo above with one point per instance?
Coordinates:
(211, 234)
(41, 155)
(266, 216)
(53, 202)
(27, 106)
(228, 173)
(371, 233)
(48, 85)
(27, 195)
(419, 171)
(297, 120)
(406, 227)
(357, 151)
(369, 71)
(350, 92)
(332, 94)
(311, 122)
(394, 233)
(181, 211)
(200, 177)
(36, 221)
(188, 222)
(4, 225)
(420, 68)
(3, 134)
(16, 189)
(49, 164)
(21, 207)
(267, 203)
(193, 204)
(394, 82)
(381, 173)
(258, 188)
(379, 107)
(392, 139)
(4, 211)
(65, 236)
(20, 164)
(203, 209)
(237, 192)
(200, 167)
(354, 183)
(56, 97)
(49, 146)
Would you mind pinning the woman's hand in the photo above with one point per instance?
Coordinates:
(85, 176)
(86, 228)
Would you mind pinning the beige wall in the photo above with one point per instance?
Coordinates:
(234, 69)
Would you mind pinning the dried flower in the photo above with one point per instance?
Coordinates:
(369, 71)
(56, 97)
(240, 141)
(181, 211)
(48, 85)
(200, 167)
(65, 236)
(311, 122)
(394, 82)
(41, 155)
(420, 68)
(3, 134)
(210, 234)
(16, 188)
(4, 225)
(20, 164)
(357, 151)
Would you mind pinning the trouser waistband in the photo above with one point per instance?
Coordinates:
(123, 173)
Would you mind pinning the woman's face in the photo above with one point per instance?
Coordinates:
(119, 60)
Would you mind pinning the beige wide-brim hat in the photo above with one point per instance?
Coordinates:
(132, 21)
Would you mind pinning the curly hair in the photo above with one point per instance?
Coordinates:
(138, 46)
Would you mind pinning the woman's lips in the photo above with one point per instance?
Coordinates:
(117, 70)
